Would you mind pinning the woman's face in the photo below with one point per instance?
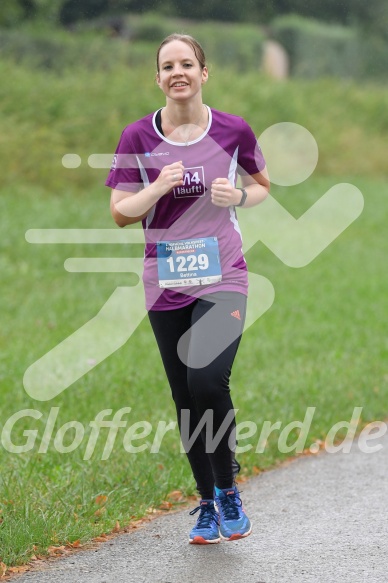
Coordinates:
(180, 75)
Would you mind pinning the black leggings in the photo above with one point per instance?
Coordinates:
(198, 353)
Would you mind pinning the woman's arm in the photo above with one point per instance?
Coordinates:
(131, 207)
(128, 208)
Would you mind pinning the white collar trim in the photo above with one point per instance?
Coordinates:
(183, 143)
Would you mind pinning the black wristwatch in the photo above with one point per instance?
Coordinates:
(243, 198)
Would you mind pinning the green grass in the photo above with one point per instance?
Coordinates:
(322, 344)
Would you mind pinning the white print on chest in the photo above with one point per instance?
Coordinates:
(193, 183)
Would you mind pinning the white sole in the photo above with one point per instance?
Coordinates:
(236, 536)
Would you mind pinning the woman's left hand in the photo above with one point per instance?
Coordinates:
(223, 193)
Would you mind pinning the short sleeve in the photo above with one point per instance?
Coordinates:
(124, 173)
(250, 157)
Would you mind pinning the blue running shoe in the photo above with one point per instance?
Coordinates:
(206, 530)
(234, 523)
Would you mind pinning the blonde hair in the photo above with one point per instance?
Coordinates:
(189, 40)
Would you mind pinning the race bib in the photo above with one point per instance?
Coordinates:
(188, 262)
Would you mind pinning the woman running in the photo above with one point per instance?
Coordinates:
(175, 170)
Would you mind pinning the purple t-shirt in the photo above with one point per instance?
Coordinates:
(227, 147)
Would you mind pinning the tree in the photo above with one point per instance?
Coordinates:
(47, 10)
(12, 12)
(73, 10)
(371, 15)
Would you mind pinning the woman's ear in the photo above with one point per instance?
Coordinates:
(205, 75)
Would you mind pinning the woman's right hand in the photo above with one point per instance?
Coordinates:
(170, 177)
(131, 207)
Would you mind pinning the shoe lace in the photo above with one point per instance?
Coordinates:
(230, 505)
(206, 516)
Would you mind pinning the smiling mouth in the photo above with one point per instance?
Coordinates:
(179, 85)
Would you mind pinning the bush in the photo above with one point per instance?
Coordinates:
(224, 44)
(373, 61)
(317, 49)
(238, 47)
(59, 50)
(227, 45)
(150, 28)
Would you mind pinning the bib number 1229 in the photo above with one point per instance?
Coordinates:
(188, 263)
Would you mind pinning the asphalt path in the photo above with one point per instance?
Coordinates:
(318, 519)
